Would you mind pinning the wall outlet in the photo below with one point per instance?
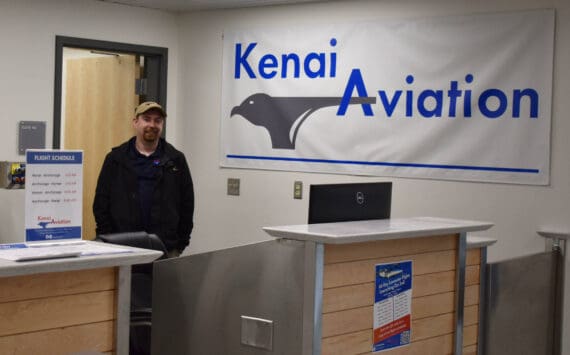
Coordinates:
(233, 187)
(298, 190)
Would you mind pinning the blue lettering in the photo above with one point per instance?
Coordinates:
(437, 95)
(268, 61)
(286, 58)
(517, 98)
(467, 101)
(430, 102)
(485, 97)
(332, 72)
(453, 95)
(389, 106)
(355, 81)
(242, 60)
(315, 65)
(321, 63)
(409, 97)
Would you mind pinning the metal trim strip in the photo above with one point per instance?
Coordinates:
(318, 301)
(123, 313)
(460, 294)
(482, 298)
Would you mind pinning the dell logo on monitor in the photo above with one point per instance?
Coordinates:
(360, 198)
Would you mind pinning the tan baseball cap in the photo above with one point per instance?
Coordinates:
(149, 105)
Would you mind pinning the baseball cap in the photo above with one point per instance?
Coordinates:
(149, 105)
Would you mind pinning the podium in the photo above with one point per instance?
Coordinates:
(311, 290)
(68, 305)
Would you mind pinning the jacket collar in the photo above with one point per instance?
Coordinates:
(121, 152)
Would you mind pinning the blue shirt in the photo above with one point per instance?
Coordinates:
(147, 171)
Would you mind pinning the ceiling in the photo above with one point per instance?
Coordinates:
(196, 5)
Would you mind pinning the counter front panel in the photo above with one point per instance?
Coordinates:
(59, 312)
(348, 295)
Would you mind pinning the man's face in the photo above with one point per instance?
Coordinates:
(149, 125)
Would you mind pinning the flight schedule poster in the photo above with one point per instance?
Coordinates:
(54, 194)
(392, 305)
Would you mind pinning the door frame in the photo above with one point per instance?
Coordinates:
(157, 78)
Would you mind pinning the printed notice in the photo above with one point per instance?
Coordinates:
(54, 194)
(392, 305)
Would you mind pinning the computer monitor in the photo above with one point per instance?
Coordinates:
(349, 202)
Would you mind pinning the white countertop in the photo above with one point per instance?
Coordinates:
(479, 242)
(378, 229)
(130, 256)
(554, 232)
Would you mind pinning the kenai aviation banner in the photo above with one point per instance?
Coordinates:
(458, 98)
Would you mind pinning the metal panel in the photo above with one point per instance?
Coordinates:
(312, 290)
(520, 305)
(460, 293)
(318, 298)
(122, 329)
(199, 301)
(560, 249)
(482, 302)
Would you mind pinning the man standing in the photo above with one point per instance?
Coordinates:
(145, 185)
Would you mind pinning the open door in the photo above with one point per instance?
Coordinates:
(95, 97)
(100, 100)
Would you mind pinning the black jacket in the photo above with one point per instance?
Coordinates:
(116, 206)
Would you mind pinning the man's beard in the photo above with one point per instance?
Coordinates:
(150, 135)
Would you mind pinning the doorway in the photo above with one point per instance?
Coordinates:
(98, 84)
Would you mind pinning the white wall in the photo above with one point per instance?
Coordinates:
(27, 38)
(266, 196)
(221, 220)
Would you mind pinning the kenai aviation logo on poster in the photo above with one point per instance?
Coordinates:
(283, 117)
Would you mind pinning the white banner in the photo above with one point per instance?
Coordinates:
(458, 98)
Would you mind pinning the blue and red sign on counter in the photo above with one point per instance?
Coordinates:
(54, 194)
(392, 305)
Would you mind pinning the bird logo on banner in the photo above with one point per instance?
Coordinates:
(283, 116)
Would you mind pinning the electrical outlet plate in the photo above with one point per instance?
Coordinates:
(298, 190)
(233, 187)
